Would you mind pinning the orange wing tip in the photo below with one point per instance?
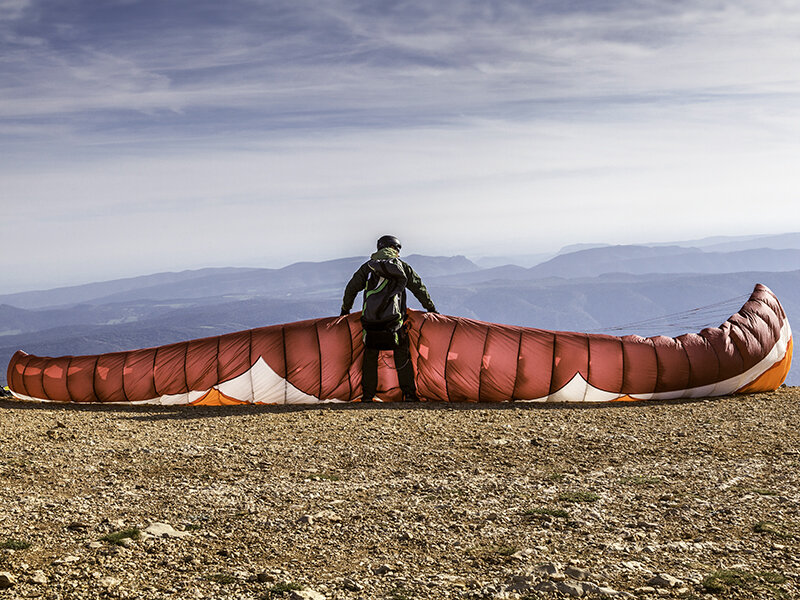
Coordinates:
(771, 379)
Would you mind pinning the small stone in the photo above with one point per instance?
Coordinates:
(570, 588)
(383, 569)
(633, 565)
(306, 519)
(352, 586)
(163, 530)
(116, 523)
(94, 545)
(589, 587)
(265, 577)
(67, 559)
(641, 591)
(606, 592)
(327, 515)
(521, 584)
(306, 594)
(109, 582)
(39, 578)
(548, 587)
(663, 580)
(547, 569)
(617, 547)
(577, 573)
(523, 554)
(6, 580)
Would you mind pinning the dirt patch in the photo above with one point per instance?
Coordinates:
(670, 499)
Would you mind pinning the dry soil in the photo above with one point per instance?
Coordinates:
(398, 501)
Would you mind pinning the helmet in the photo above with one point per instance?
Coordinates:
(388, 241)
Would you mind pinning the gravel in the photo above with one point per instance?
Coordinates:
(691, 499)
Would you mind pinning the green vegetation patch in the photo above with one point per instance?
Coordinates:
(116, 537)
(542, 511)
(12, 544)
(763, 584)
(581, 496)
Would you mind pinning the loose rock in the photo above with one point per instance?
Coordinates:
(664, 580)
(7, 580)
(165, 530)
(306, 595)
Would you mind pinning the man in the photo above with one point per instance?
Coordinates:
(384, 279)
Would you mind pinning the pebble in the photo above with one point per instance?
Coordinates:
(521, 583)
(607, 592)
(570, 588)
(577, 573)
(547, 569)
(351, 585)
(39, 578)
(663, 580)
(548, 587)
(306, 594)
(109, 582)
(383, 569)
(6, 580)
(163, 530)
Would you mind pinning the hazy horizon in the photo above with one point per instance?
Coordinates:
(524, 260)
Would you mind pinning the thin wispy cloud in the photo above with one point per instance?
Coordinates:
(497, 118)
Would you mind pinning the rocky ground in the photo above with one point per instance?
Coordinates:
(675, 499)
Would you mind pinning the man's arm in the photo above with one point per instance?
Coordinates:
(418, 288)
(356, 284)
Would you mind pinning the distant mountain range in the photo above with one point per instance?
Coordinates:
(612, 289)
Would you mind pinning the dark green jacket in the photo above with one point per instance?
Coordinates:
(359, 281)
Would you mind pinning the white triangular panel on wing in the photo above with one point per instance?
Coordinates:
(271, 388)
(240, 387)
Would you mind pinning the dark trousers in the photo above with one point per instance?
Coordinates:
(402, 362)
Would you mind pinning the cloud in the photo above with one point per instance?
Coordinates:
(130, 130)
(411, 58)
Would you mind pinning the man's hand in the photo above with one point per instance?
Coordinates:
(344, 313)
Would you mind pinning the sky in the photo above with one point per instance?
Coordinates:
(148, 136)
